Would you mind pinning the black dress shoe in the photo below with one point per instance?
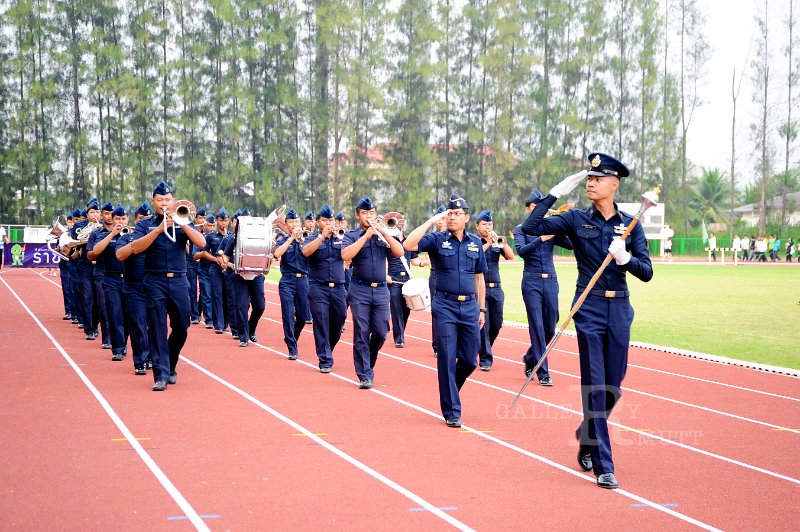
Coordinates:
(399, 345)
(173, 377)
(584, 458)
(117, 357)
(546, 381)
(253, 338)
(149, 364)
(528, 366)
(242, 344)
(607, 481)
(80, 325)
(486, 368)
(139, 371)
(209, 326)
(195, 322)
(66, 317)
(160, 386)
(107, 346)
(217, 331)
(76, 321)
(366, 384)
(324, 370)
(292, 356)
(454, 422)
(309, 322)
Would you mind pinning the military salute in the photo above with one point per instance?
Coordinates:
(166, 289)
(459, 305)
(604, 320)
(539, 290)
(368, 247)
(326, 293)
(293, 286)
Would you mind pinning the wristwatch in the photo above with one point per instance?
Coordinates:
(484, 310)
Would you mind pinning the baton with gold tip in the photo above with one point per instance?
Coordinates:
(649, 199)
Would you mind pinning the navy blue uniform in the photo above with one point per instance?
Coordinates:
(397, 304)
(219, 312)
(293, 291)
(113, 288)
(231, 316)
(99, 310)
(455, 311)
(165, 289)
(369, 301)
(539, 292)
(205, 286)
(495, 298)
(603, 321)
(191, 277)
(135, 304)
(85, 287)
(66, 291)
(326, 296)
(248, 293)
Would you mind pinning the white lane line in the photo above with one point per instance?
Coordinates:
(579, 414)
(335, 450)
(170, 488)
(520, 450)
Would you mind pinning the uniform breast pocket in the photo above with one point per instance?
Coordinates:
(449, 259)
(588, 233)
(472, 259)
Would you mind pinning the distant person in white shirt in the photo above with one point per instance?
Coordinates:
(668, 249)
(712, 246)
(745, 247)
(737, 242)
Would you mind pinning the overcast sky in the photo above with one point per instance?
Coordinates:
(731, 31)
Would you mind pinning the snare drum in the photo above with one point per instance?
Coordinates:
(417, 293)
(252, 255)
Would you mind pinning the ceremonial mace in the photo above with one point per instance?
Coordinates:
(649, 199)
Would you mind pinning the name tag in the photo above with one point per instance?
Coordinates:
(472, 246)
(593, 228)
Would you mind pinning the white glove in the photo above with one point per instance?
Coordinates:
(436, 217)
(568, 184)
(617, 250)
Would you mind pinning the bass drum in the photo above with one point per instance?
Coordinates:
(252, 254)
(417, 293)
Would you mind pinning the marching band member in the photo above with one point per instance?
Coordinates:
(293, 286)
(211, 253)
(341, 228)
(603, 322)
(308, 226)
(396, 278)
(209, 224)
(368, 246)
(64, 271)
(165, 284)
(440, 225)
(193, 272)
(98, 273)
(326, 293)
(133, 292)
(103, 251)
(74, 287)
(459, 306)
(87, 302)
(495, 297)
(248, 293)
(231, 317)
(539, 290)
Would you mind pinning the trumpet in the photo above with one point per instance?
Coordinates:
(498, 241)
(339, 233)
(125, 230)
(305, 234)
(184, 214)
(394, 223)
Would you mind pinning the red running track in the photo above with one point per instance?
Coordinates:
(250, 440)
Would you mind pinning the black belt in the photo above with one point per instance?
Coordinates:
(455, 297)
(542, 275)
(610, 293)
(166, 274)
(329, 284)
(371, 284)
(298, 275)
(114, 274)
(493, 285)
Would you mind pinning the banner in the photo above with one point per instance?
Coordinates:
(705, 232)
(20, 255)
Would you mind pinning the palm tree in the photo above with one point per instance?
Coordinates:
(709, 195)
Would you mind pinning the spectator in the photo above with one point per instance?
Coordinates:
(789, 249)
(761, 249)
(712, 246)
(744, 245)
(668, 249)
(776, 248)
(3, 241)
(737, 242)
(752, 247)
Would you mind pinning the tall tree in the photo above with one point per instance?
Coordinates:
(761, 129)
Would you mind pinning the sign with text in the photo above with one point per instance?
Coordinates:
(27, 255)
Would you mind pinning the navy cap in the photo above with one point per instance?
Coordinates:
(440, 209)
(76, 213)
(603, 164)
(69, 215)
(291, 215)
(162, 189)
(325, 212)
(143, 210)
(93, 204)
(309, 216)
(107, 206)
(535, 197)
(201, 213)
(83, 213)
(365, 204)
(210, 219)
(222, 213)
(119, 210)
(237, 214)
(340, 216)
(245, 212)
(457, 202)
(484, 216)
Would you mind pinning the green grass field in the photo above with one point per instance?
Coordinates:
(746, 312)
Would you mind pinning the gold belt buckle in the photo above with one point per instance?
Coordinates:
(170, 275)
(611, 293)
(491, 285)
(545, 276)
(403, 274)
(298, 275)
(331, 285)
(121, 275)
(373, 285)
(462, 298)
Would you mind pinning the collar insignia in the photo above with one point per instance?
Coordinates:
(619, 229)
(446, 245)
